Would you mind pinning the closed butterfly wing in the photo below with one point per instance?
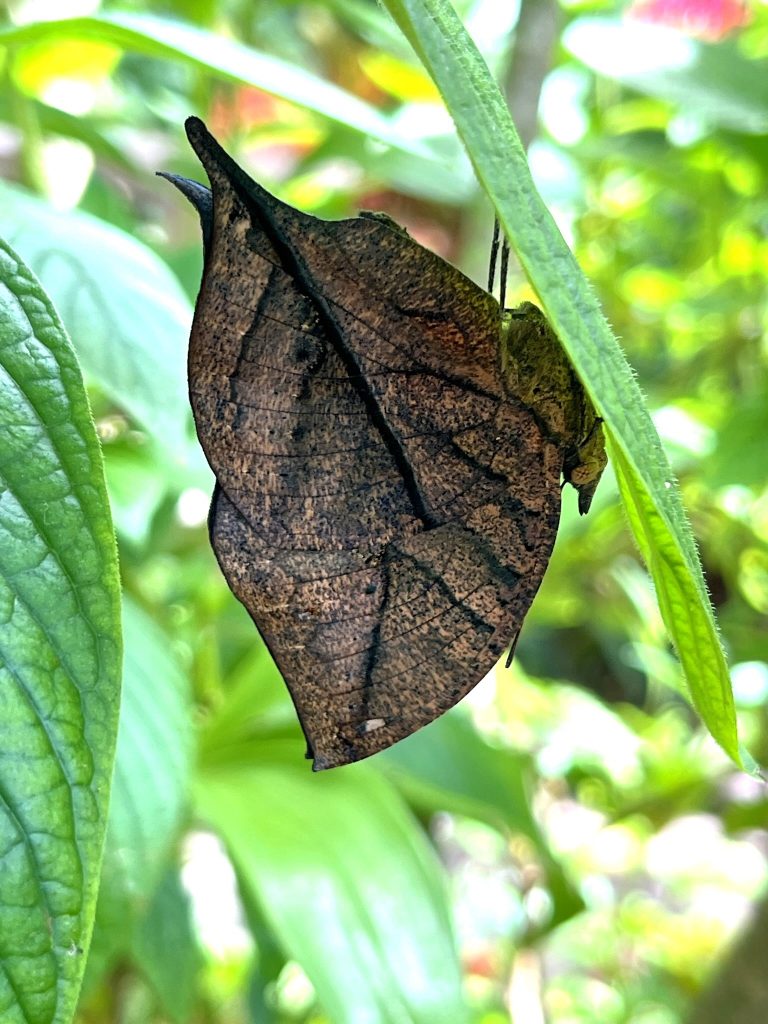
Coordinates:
(385, 507)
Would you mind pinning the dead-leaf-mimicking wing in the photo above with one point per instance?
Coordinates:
(388, 449)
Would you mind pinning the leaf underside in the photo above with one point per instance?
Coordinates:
(385, 507)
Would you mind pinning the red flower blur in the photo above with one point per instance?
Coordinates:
(705, 19)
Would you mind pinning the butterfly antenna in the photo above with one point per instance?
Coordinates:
(494, 255)
(504, 270)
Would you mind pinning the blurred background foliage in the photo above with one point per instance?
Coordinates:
(567, 846)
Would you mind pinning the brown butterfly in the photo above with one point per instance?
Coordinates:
(388, 449)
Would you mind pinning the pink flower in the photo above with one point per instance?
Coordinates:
(705, 19)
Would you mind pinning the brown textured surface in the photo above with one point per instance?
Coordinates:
(386, 505)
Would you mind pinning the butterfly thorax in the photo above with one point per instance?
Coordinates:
(537, 371)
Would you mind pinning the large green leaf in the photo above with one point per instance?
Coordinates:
(165, 948)
(123, 308)
(484, 124)
(150, 788)
(59, 657)
(225, 58)
(349, 884)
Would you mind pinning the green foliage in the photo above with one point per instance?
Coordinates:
(645, 481)
(571, 823)
(60, 639)
(682, 601)
(121, 303)
(150, 786)
(165, 949)
(158, 37)
(366, 919)
(721, 83)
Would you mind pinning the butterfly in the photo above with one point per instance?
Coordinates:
(388, 445)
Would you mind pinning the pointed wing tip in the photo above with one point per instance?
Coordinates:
(585, 499)
(178, 180)
(341, 749)
(224, 172)
(206, 148)
(321, 763)
(195, 128)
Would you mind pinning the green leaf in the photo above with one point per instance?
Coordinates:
(268, 962)
(484, 124)
(136, 488)
(694, 634)
(739, 456)
(165, 948)
(154, 756)
(713, 81)
(59, 657)
(224, 58)
(93, 132)
(349, 884)
(124, 309)
(256, 708)
(449, 766)
(150, 788)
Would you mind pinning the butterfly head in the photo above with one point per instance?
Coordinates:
(538, 372)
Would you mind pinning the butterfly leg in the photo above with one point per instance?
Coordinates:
(511, 654)
(494, 255)
(504, 272)
(495, 242)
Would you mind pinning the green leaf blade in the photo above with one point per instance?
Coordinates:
(150, 790)
(486, 129)
(123, 308)
(349, 885)
(693, 632)
(224, 58)
(59, 657)
(165, 948)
